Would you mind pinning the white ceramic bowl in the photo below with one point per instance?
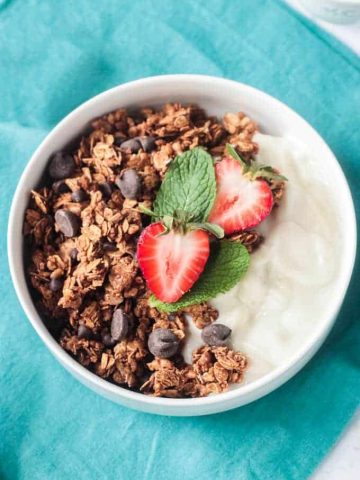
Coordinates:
(217, 96)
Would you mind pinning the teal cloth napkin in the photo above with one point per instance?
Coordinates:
(54, 55)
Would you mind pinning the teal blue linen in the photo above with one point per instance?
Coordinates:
(54, 55)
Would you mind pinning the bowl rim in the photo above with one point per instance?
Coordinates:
(275, 377)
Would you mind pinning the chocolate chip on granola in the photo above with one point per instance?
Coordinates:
(68, 222)
(60, 187)
(61, 166)
(133, 144)
(106, 189)
(129, 183)
(56, 284)
(79, 196)
(163, 343)
(121, 324)
(169, 136)
(215, 334)
(147, 143)
(109, 246)
(107, 339)
(84, 332)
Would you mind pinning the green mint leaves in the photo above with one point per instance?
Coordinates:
(189, 187)
(212, 228)
(255, 171)
(228, 262)
(267, 173)
(187, 194)
(230, 150)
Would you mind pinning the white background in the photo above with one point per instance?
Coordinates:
(348, 34)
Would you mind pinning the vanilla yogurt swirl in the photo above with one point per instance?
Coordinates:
(273, 310)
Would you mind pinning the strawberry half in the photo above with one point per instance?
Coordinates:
(242, 201)
(171, 263)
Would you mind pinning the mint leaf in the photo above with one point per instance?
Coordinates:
(189, 186)
(228, 262)
(266, 172)
(255, 171)
(168, 222)
(233, 153)
(146, 211)
(212, 228)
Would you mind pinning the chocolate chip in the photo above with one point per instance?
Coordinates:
(121, 325)
(84, 332)
(118, 141)
(68, 222)
(106, 189)
(133, 144)
(147, 143)
(79, 196)
(129, 183)
(216, 334)
(55, 284)
(109, 246)
(60, 187)
(163, 343)
(169, 136)
(107, 339)
(61, 166)
(73, 254)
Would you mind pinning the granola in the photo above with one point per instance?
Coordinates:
(79, 279)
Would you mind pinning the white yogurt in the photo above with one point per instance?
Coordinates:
(280, 300)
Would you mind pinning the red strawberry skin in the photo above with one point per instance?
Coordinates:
(241, 202)
(171, 263)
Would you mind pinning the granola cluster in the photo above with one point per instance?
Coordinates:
(212, 370)
(78, 281)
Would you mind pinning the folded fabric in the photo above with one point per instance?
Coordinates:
(54, 56)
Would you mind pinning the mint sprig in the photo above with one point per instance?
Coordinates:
(228, 262)
(253, 170)
(233, 153)
(212, 228)
(267, 172)
(189, 186)
(183, 203)
(182, 222)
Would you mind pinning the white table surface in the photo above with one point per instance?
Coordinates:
(343, 462)
(348, 34)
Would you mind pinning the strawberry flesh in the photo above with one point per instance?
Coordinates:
(241, 202)
(171, 263)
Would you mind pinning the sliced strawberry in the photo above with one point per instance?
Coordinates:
(171, 263)
(241, 201)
